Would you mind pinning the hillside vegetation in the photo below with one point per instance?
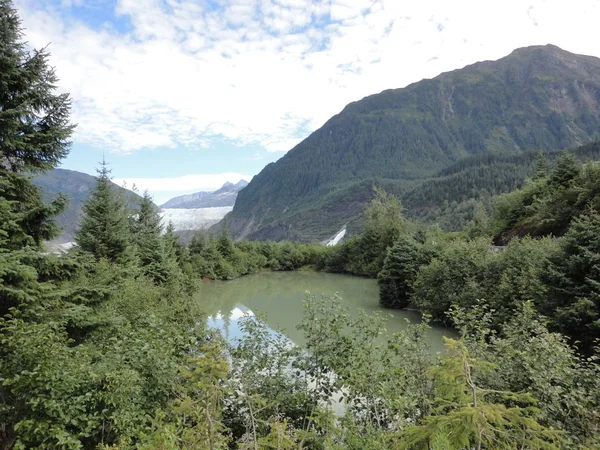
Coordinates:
(537, 98)
(105, 347)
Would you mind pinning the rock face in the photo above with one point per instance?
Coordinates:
(76, 186)
(536, 98)
(225, 196)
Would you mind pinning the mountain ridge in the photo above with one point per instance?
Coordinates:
(224, 196)
(536, 98)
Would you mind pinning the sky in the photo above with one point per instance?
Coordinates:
(181, 96)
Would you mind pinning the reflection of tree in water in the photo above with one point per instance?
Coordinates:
(278, 297)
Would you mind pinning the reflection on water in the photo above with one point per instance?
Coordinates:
(277, 297)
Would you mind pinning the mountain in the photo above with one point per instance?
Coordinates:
(536, 98)
(453, 196)
(225, 196)
(76, 186)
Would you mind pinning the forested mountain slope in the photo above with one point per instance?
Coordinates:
(455, 194)
(76, 187)
(536, 98)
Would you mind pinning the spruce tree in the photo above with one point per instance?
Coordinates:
(34, 133)
(104, 229)
(541, 169)
(566, 170)
(34, 120)
(574, 279)
(34, 136)
(173, 247)
(399, 271)
(147, 235)
(224, 244)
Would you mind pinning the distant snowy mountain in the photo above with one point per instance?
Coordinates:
(225, 196)
(201, 210)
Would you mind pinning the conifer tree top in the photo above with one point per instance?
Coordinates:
(34, 119)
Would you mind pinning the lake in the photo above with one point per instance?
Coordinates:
(278, 297)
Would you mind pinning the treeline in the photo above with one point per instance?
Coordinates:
(217, 257)
(459, 192)
(92, 343)
(433, 271)
(105, 348)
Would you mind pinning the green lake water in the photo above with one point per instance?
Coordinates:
(278, 298)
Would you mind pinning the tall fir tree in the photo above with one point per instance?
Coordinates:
(104, 230)
(541, 167)
(34, 136)
(34, 120)
(150, 245)
(566, 170)
(225, 244)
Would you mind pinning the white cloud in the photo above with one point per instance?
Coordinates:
(267, 71)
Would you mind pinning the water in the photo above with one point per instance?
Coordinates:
(278, 297)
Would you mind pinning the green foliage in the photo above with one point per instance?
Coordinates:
(574, 280)
(472, 416)
(466, 273)
(365, 254)
(156, 255)
(221, 259)
(104, 230)
(456, 277)
(547, 205)
(534, 360)
(400, 269)
(34, 119)
(193, 420)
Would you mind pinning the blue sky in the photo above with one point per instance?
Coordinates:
(183, 95)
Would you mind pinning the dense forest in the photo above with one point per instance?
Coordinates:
(105, 347)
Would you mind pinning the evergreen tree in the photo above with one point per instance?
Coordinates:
(574, 280)
(34, 121)
(199, 243)
(566, 170)
(399, 272)
(104, 229)
(541, 167)
(173, 247)
(34, 133)
(151, 252)
(224, 244)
